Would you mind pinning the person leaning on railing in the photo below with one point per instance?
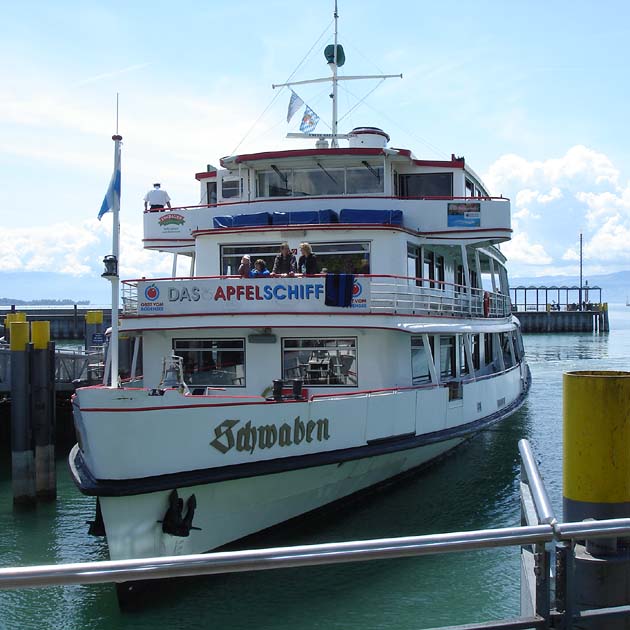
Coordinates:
(284, 262)
(307, 264)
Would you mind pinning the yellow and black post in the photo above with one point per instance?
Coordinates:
(596, 483)
(22, 460)
(43, 409)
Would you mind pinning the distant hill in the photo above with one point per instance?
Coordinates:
(43, 302)
(615, 286)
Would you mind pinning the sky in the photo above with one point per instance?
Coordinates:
(534, 95)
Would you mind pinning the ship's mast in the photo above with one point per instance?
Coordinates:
(333, 142)
(338, 59)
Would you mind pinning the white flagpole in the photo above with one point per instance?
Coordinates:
(115, 279)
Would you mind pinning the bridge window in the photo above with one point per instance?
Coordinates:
(212, 362)
(364, 180)
(288, 182)
(320, 181)
(275, 183)
(327, 362)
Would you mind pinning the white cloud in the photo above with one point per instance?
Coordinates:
(579, 165)
(521, 250)
(78, 250)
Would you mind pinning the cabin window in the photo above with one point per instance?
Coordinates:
(488, 348)
(464, 368)
(414, 263)
(426, 185)
(421, 356)
(343, 257)
(504, 339)
(428, 272)
(230, 188)
(448, 366)
(323, 361)
(518, 344)
(470, 188)
(231, 256)
(475, 351)
(439, 270)
(212, 362)
(368, 179)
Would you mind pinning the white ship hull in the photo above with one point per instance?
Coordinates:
(230, 510)
(251, 463)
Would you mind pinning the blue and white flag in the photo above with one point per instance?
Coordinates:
(113, 191)
(309, 120)
(294, 104)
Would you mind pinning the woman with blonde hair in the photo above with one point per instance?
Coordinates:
(307, 264)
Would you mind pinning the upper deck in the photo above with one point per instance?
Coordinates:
(272, 190)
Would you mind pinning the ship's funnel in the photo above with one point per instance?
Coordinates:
(368, 137)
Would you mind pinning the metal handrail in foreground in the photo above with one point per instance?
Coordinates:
(542, 604)
(264, 559)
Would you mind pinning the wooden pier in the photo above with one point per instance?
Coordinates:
(554, 309)
(563, 321)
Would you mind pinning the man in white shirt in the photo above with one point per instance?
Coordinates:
(156, 198)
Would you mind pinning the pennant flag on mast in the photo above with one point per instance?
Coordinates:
(294, 104)
(112, 195)
(309, 120)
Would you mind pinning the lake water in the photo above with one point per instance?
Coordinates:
(475, 487)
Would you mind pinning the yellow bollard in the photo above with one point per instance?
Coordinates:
(20, 334)
(596, 472)
(40, 335)
(596, 484)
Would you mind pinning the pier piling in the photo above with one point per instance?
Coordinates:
(42, 366)
(22, 458)
(596, 484)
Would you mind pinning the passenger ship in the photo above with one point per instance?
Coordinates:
(265, 398)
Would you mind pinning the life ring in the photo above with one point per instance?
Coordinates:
(486, 304)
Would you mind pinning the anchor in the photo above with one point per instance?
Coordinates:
(174, 522)
(97, 526)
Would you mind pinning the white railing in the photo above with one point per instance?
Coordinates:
(417, 296)
(384, 294)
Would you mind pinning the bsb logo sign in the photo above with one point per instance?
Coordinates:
(151, 305)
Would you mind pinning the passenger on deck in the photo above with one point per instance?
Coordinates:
(307, 264)
(284, 262)
(260, 269)
(156, 198)
(245, 268)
